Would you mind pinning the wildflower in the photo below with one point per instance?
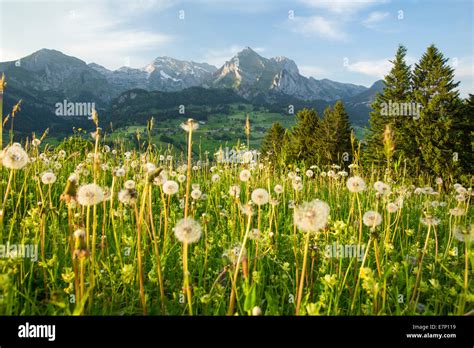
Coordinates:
(464, 234)
(181, 178)
(36, 142)
(129, 184)
(309, 173)
(119, 172)
(48, 178)
(297, 185)
(90, 194)
(233, 253)
(187, 230)
(234, 191)
(256, 311)
(382, 188)
(457, 211)
(127, 196)
(160, 179)
(392, 207)
(254, 234)
(278, 189)
(311, 216)
(149, 167)
(246, 209)
(190, 125)
(215, 178)
(170, 187)
(372, 219)
(14, 157)
(244, 175)
(355, 184)
(196, 194)
(260, 196)
(430, 220)
(439, 181)
(79, 233)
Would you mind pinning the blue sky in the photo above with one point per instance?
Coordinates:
(347, 41)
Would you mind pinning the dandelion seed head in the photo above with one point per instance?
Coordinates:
(245, 175)
(278, 189)
(170, 187)
(127, 196)
(187, 230)
(234, 191)
(392, 207)
(196, 194)
(90, 194)
(190, 125)
(430, 220)
(372, 219)
(464, 233)
(355, 184)
(129, 184)
(311, 216)
(260, 196)
(382, 188)
(48, 178)
(457, 211)
(14, 157)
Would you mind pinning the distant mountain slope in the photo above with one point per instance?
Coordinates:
(137, 106)
(48, 77)
(251, 74)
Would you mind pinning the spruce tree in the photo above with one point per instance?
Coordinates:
(273, 144)
(335, 134)
(389, 109)
(303, 144)
(437, 132)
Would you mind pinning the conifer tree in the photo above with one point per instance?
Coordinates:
(334, 138)
(437, 133)
(390, 108)
(303, 144)
(273, 144)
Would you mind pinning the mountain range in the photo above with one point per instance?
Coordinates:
(47, 77)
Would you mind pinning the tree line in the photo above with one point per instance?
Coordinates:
(418, 123)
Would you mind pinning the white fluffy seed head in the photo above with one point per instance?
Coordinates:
(170, 187)
(14, 157)
(196, 194)
(245, 175)
(260, 196)
(311, 216)
(355, 184)
(392, 207)
(48, 178)
(234, 191)
(278, 189)
(90, 194)
(187, 230)
(372, 219)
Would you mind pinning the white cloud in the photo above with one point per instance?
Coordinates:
(463, 67)
(464, 72)
(218, 57)
(317, 25)
(342, 6)
(374, 18)
(377, 68)
(311, 70)
(109, 33)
